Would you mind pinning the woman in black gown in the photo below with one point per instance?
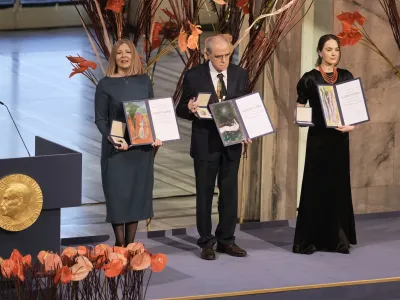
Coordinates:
(325, 219)
(127, 172)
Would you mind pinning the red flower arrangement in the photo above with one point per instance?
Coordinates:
(81, 66)
(92, 273)
(353, 32)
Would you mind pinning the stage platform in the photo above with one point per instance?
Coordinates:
(272, 271)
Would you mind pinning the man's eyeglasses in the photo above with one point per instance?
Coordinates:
(219, 57)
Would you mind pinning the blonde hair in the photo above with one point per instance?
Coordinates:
(136, 67)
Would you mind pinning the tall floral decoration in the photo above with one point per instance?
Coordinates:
(353, 32)
(178, 29)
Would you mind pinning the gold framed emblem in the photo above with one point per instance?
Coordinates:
(21, 202)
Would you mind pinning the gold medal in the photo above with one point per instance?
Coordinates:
(21, 202)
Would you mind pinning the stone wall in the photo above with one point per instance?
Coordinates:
(375, 146)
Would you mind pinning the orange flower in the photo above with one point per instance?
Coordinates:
(7, 268)
(69, 252)
(135, 248)
(79, 272)
(102, 249)
(195, 29)
(244, 5)
(84, 262)
(80, 65)
(75, 59)
(27, 260)
(182, 41)
(16, 256)
(350, 34)
(120, 250)
(141, 261)
(52, 262)
(64, 274)
(78, 71)
(192, 42)
(42, 254)
(82, 250)
(156, 41)
(118, 256)
(350, 18)
(158, 262)
(349, 38)
(92, 65)
(113, 268)
(115, 5)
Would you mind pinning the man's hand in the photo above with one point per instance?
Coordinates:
(192, 105)
(247, 141)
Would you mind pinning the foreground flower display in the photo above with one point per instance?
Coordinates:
(100, 272)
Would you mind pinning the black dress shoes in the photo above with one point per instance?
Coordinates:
(231, 249)
(207, 254)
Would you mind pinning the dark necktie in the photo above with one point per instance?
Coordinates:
(221, 88)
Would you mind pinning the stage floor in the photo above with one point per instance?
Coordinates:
(270, 265)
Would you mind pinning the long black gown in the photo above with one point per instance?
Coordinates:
(127, 176)
(325, 220)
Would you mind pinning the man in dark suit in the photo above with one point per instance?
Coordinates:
(224, 81)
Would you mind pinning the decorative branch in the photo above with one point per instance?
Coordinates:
(390, 8)
(262, 44)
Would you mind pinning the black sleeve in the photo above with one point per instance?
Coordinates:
(245, 84)
(101, 104)
(303, 88)
(188, 92)
(348, 76)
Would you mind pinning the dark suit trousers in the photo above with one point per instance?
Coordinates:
(206, 172)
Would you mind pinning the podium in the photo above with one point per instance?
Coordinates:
(58, 171)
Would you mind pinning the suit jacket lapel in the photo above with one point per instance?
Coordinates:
(231, 82)
(209, 82)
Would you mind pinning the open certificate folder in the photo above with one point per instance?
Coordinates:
(343, 103)
(150, 119)
(241, 118)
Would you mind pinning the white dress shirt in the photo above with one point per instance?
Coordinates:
(214, 73)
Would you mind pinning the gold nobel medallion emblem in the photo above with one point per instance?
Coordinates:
(21, 201)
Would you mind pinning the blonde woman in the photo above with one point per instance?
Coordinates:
(127, 172)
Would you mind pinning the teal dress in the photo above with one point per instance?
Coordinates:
(127, 176)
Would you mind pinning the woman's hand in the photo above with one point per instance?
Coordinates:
(157, 143)
(122, 145)
(347, 128)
